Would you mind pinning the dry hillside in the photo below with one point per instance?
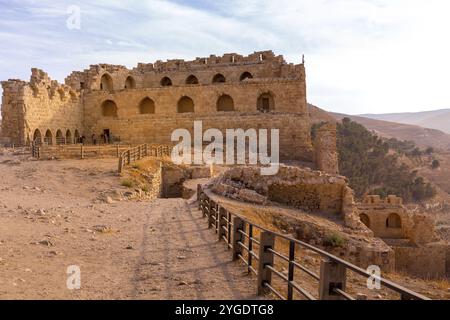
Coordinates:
(423, 137)
(436, 119)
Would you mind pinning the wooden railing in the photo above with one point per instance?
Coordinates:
(35, 150)
(242, 236)
(145, 150)
(77, 151)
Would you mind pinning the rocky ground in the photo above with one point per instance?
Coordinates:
(55, 214)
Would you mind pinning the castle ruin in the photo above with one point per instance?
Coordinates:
(145, 104)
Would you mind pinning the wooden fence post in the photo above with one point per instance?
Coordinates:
(199, 191)
(82, 151)
(238, 224)
(221, 214)
(210, 214)
(267, 241)
(120, 164)
(332, 276)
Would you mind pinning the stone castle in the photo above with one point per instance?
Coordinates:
(145, 104)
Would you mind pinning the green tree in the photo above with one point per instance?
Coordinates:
(367, 162)
(435, 164)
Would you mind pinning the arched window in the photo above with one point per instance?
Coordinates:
(48, 139)
(365, 219)
(37, 137)
(266, 103)
(147, 106)
(59, 137)
(192, 79)
(246, 75)
(130, 83)
(394, 221)
(76, 136)
(219, 78)
(185, 105)
(106, 83)
(225, 103)
(166, 82)
(68, 137)
(109, 109)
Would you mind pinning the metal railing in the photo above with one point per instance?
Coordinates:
(240, 236)
(145, 150)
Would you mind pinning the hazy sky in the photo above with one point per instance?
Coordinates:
(362, 56)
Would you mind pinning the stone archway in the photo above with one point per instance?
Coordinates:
(147, 106)
(130, 83)
(225, 103)
(245, 75)
(394, 221)
(266, 102)
(166, 82)
(219, 78)
(106, 83)
(192, 79)
(68, 137)
(185, 105)
(48, 139)
(59, 137)
(109, 109)
(37, 137)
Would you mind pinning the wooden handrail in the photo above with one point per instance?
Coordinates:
(142, 151)
(330, 285)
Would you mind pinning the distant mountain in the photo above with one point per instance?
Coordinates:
(423, 137)
(437, 119)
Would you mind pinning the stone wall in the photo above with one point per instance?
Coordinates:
(325, 146)
(426, 261)
(389, 219)
(304, 189)
(42, 106)
(140, 105)
(412, 236)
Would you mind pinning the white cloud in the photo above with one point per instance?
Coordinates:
(362, 55)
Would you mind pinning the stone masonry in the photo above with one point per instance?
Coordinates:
(145, 104)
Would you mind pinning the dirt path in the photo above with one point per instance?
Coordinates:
(54, 214)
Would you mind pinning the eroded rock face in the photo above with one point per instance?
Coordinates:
(301, 188)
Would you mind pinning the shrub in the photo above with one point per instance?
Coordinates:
(435, 164)
(127, 183)
(334, 240)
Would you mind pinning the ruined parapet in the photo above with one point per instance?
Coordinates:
(13, 112)
(421, 229)
(228, 59)
(389, 219)
(90, 79)
(325, 145)
(390, 200)
(301, 188)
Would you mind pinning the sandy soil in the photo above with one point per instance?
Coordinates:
(54, 214)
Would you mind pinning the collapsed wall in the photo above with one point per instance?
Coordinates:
(301, 188)
(40, 110)
(412, 236)
(323, 210)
